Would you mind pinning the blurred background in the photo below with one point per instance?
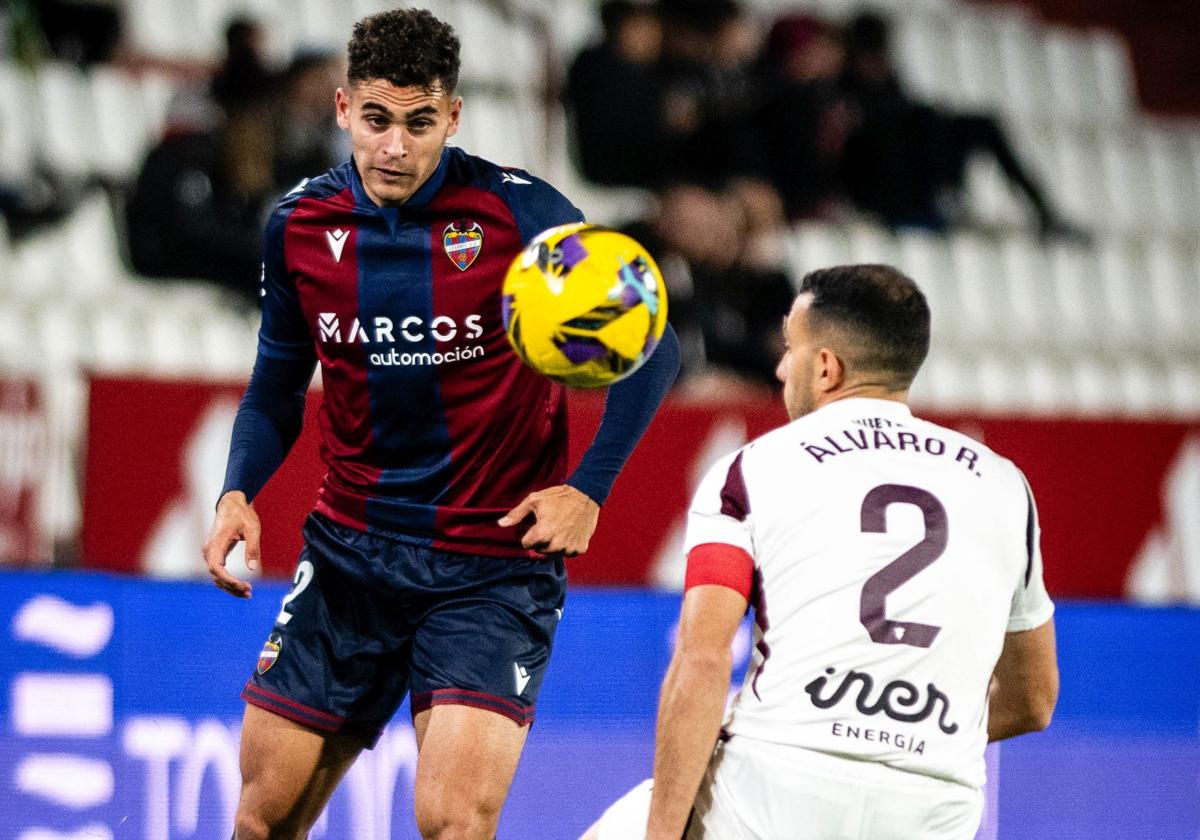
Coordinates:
(1034, 165)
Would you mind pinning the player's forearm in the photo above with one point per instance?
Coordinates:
(628, 409)
(1016, 711)
(689, 720)
(267, 424)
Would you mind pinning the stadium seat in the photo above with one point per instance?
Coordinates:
(1174, 286)
(17, 351)
(1030, 309)
(926, 258)
(18, 131)
(1072, 293)
(1071, 65)
(117, 337)
(1183, 386)
(923, 47)
(1076, 178)
(122, 126)
(978, 289)
(1127, 180)
(976, 42)
(170, 28)
(1120, 281)
(1023, 67)
(1173, 181)
(816, 245)
(1046, 384)
(66, 117)
(1113, 70)
(871, 243)
(1095, 390)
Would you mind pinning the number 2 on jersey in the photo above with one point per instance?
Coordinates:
(872, 606)
(304, 576)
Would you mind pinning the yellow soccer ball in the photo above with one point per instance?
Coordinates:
(584, 305)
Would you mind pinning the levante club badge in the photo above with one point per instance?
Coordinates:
(462, 241)
(270, 653)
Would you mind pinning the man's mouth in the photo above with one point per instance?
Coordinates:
(391, 173)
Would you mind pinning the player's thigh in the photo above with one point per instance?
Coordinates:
(289, 772)
(465, 765)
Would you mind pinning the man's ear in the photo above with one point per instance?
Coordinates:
(829, 371)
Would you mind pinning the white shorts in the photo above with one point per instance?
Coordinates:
(754, 790)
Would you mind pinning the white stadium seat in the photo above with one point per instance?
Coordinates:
(18, 126)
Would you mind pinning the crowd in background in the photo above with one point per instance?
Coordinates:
(739, 134)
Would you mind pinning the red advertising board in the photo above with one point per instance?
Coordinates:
(1113, 494)
(24, 462)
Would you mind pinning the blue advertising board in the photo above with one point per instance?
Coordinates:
(120, 715)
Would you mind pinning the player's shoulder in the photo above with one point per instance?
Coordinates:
(332, 186)
(526, 195)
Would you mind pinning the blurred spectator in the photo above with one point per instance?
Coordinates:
(906, 161)
(307, 138)
(807, 118)
(710, 51)
(243, 79)
(725, 302)
(616, 97)
(194, 213)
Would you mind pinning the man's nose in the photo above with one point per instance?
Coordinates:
(396, 142)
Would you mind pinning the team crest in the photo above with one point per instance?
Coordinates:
(462, 240)
(270, 653)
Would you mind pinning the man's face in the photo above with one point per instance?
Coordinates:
(797, 368)
(397, 135)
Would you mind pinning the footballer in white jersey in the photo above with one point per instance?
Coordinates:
(895, 577)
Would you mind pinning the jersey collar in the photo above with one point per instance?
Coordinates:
(858, 406)
(420, 198)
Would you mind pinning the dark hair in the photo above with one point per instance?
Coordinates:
(405, 47)
(883, 311)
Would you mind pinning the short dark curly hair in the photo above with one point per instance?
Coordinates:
(405, 47)
(883, 311)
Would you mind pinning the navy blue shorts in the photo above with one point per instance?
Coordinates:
(369, 619)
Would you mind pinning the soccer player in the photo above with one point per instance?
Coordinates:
(896, 579)
(433, 563)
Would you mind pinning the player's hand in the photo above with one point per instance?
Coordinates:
(235, 521)
(564, 520)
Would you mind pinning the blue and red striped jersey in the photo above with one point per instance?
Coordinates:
(431, 427)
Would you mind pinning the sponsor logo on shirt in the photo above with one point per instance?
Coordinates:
(898, 700)
(387, 338)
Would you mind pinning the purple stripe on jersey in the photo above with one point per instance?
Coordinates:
(758, 597)
(1030, 534)
(734, 500)
(506, 425)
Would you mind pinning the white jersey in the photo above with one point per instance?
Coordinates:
(891, 555)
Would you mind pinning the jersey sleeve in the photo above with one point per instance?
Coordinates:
(535, 204)
(719, 542)
(283, 333)
(1031, 605)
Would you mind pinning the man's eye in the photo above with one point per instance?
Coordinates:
(376, 122)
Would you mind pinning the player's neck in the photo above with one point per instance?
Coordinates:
(862, 390)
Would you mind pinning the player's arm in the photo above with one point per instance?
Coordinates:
(566, 515)
(692, 704)
(1024, 686)
(269, 417)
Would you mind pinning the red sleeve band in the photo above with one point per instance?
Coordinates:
(722, 565)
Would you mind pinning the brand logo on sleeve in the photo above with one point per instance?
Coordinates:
(337, 241)
(463, 241)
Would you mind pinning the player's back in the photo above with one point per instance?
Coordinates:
(891, 557)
